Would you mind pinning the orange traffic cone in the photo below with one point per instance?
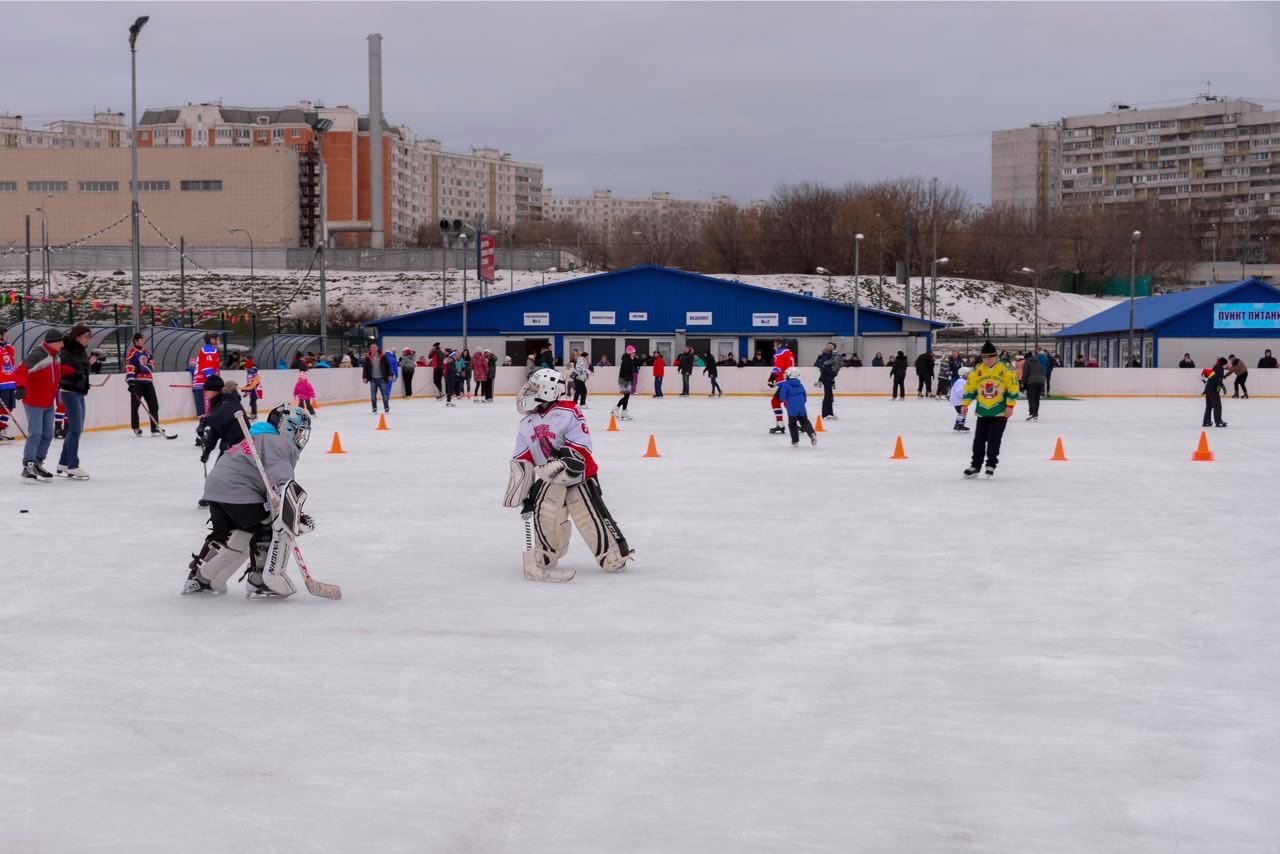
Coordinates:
(382, 422)
(652, 450)
(818, 428)
(898, 452)
(1202, 453)
(336, 447)
(613, 424)
(1059, 456)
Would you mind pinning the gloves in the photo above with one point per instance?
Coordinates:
(22, 392)
(133, 389)
(204, 458)
(549, 471)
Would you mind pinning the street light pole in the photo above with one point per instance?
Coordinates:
(1133, 286)
(1035, 289)
(44, 251)
(857, 269)
(462, 238)
(933, 298)
(253, 295)
(133, 185)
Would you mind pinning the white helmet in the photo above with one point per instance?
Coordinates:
(964, 371)
(543, 387)
(792, 372)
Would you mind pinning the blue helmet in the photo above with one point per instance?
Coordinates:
(291, 422)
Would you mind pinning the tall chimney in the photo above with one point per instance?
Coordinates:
(378, 236)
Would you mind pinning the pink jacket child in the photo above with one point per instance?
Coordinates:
(305, 392)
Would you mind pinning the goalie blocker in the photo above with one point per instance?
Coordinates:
(554, 482)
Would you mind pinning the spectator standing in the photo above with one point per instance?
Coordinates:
(828, 365)
(437, 369)
(1267, 360)
(8, 383)
(37, 381)
(877, 361)
(1240, 372)
(139, 379)
(480, 371)
(855, 361)
(712, 371)
(76, 366)
(945, 375)
(581, 373)
(924, 374)
(493, 374)
(659, 371)
(684, 364)
(1080, 363)
(305, 392)
(461, 370)
(298, 363)
(1186, 362)
(374, 373)
(1046, 366)
(627, 371)
(407, 367)
(466, 371)
(1033, 379)
(394, 374)
(898, 371)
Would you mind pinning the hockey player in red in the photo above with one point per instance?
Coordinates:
(204, 365)
(553, 480)
(783, 359)
(8, 382)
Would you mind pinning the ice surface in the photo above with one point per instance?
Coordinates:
(818, 649)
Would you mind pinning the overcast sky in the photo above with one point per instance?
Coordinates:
(693, 98)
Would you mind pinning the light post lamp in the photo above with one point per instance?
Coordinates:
(1133, 286)
(44, 249)
(1035, 289)
(823, 271)
(1213, 269)
(933, 288)
(640, 234)
(253, 293)
(857, 269)
(133, 185)
(880, 265)
(462, 240)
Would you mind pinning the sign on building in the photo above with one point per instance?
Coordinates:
(602, 318)
(486, 258)
(641, 316)
(697, 318)
(537, 318)
(1246, 315)
(802, 320)
(764, 320)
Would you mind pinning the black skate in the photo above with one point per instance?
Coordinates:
(971, 472)
(778, 430)
(991, 471)
(813, 439)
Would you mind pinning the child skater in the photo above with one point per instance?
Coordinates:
(305, 393)
(792, 395)
(957, 399)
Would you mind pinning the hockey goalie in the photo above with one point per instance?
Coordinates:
(249, 523)
(553, 481)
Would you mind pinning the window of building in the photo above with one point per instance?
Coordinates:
(151, 186)
(277, 135)
(204, 186)
(46, 186)
(99, 186)
(8, 186)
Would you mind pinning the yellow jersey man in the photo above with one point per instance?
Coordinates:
(993, 388)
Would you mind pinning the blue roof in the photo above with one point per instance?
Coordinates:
(1150, 313)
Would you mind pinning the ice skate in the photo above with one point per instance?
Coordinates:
(1220, 424)
(795, 444)
(137, 432)
(625, 416)
(813, 439)
(991, 471)
(44, 474)
(779, 429)
(971, 472)
(29, 473)
(76, 473)
(1033, 417)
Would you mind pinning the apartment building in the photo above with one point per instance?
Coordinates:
(602, 210)
(1218, 158)
(196, 195)
(107, 130)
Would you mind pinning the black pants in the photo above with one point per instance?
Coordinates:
(407, 372)
(579, 391)
(622, 401)
(144, 392)
(828, 398)
(1033, 398)
(715, 386)
(307, 404)
(986, 441)
(1238, 386)
(226, 518)
(1212, 406)
(684, 383)
(925, 385)
(899, 386)
(437, 378)
(1048, 382)
(796, 423)
(252, 396)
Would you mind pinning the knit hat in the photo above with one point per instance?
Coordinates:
(214, 383)
(988, 349)
(53, 336)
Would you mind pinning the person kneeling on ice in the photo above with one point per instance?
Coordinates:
(245, 523)
(994, 387)
(957, 399)
(792, 395)
(553, 479)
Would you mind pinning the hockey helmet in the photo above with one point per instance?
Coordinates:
(545, 386)
(292, 422)
(964, 371)
(792, 372)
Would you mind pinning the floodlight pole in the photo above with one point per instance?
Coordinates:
(1133, 286)
(133, 185)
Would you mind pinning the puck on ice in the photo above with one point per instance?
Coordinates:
(24, 511)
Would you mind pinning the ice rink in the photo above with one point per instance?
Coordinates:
(817, 649)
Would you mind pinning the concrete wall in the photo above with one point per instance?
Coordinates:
(108, 404)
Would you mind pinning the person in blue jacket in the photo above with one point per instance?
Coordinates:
(793, 396)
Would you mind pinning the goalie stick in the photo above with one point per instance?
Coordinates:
(315, 588)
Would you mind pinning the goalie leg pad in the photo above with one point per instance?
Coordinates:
(597, 527)
(269, 559)
(551, 524)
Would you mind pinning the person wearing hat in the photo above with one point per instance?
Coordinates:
(993, 388)
(8, 383)
(140, 382)
(77, 363)
(407, 366)
(221, 427)
(38, 379)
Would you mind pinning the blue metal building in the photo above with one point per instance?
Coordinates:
(655, 309)
(1241, 317)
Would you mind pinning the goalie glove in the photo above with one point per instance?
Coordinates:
(567, 469)
(305, 524)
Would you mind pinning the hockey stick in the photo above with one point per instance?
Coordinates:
(13, 418)
(155, 422)
(315, 588)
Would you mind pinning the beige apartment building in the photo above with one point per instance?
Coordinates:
(602, 210)
(107, 130)
(1218, 158)
(186, 192)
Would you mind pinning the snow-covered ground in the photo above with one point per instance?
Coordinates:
(817, 650)
(371, 295)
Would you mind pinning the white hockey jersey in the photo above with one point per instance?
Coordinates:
(561, 425)
(957, 391)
